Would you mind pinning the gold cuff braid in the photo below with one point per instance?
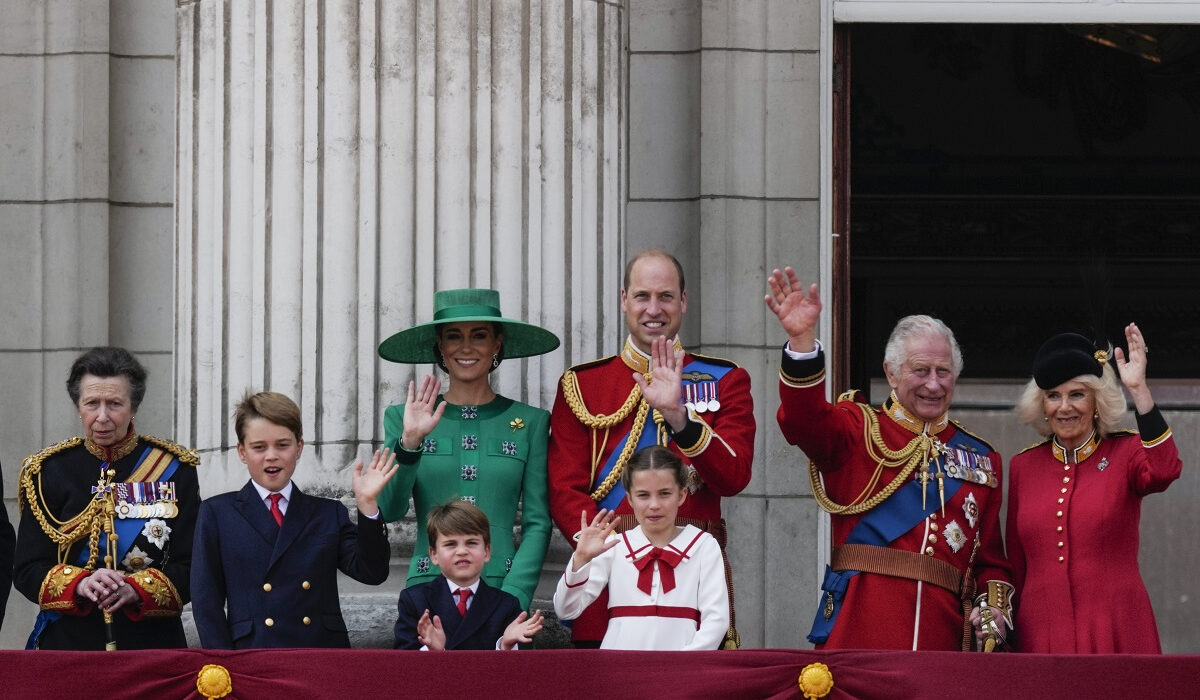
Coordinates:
(999, 595)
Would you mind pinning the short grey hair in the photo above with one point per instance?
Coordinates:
(918, 326)
(1110, 402)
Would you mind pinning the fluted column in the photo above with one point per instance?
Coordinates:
(340, 161)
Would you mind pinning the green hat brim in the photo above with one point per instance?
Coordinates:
(414, 346)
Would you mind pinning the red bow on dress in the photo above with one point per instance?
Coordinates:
(667, 561)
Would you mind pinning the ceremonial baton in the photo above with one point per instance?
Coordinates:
(110, 633)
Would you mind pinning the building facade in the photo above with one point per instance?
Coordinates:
(252, 195)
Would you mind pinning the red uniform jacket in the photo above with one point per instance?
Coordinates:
(887, 612)
(1073, 541)
(721, 455)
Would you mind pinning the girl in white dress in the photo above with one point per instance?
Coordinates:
(666, 583)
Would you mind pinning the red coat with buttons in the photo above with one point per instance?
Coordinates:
(1073, 542)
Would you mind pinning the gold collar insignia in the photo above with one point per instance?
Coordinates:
(1079, 454)
(637, 360)
(115, 452)
(901, 415)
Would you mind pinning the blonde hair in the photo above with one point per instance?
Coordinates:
(1110, 402)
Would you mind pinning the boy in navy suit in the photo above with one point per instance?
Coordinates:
(271, 553)
(458, 610)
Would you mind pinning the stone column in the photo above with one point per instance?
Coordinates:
(86, 132)
(340, 161)
(724, 169)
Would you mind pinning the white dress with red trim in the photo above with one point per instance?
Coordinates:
(668, 599)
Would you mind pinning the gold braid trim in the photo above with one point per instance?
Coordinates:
(571, 392)
(918, 451)
(635, 434)
(574, 398)
(160, 589)
(186, 455)
(64, 533)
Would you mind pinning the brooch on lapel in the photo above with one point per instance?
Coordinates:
(516, 424)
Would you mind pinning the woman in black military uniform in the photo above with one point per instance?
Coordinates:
(105, 537)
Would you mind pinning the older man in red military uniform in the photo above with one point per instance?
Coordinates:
(652, 393)
(915, 499)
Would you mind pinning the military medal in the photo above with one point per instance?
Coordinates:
(713, 404)
(689, 396)
(701, 397)
(141, 500)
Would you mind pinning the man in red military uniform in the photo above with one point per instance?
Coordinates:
(652, 393)
(915, 499)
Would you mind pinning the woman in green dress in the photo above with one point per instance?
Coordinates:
(470, 443)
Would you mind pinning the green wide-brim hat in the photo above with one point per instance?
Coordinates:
(415, 345)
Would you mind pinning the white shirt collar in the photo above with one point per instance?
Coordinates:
(263, 493)
(454, 586)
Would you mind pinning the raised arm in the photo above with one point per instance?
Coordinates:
(421, 412)
(797, 313)
(1132, 369)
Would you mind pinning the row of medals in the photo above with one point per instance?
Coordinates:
(162, 509)
(701, 397)
(158, 505)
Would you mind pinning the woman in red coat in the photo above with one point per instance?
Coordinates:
(1075, 501)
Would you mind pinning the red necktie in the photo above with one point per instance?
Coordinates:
(667, 561)
(463, 594)
(275, 511)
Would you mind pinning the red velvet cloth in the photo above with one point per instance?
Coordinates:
(297, 674)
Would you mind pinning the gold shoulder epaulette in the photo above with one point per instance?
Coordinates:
(1033, 446)
(33, 464)
(186, 455)
(592, 363)
(968, 432)
(720, 361)
(851, 395)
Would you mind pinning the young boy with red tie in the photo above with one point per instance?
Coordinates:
(265, 559)
(459, 610)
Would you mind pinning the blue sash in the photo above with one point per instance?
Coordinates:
(886, 522)
(127, 530)
(696, 372)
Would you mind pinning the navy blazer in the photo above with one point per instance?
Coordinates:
(280, 582)
(491, 611)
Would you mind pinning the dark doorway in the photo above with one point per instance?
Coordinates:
(1021, 180)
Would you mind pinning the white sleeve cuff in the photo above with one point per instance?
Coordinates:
(787, 348)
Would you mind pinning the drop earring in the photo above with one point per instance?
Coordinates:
(495, 361)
